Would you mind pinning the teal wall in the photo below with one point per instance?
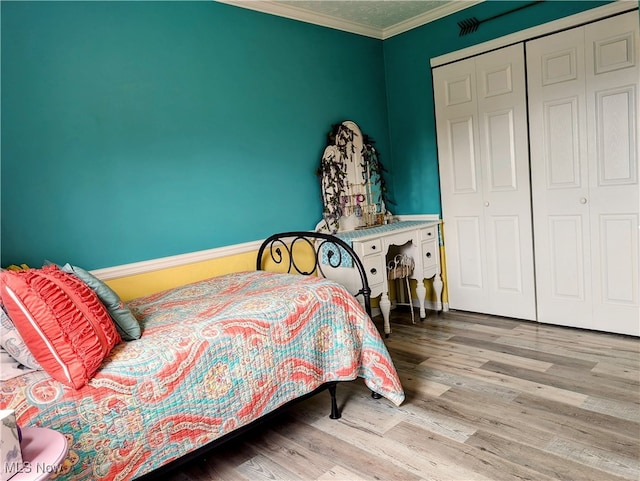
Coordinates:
(136, 130)
(414, 167)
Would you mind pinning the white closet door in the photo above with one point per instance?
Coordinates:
(612, 60)
(504, 151)
(483, 161)
(583, 108)
(559, 176)
(461, 185)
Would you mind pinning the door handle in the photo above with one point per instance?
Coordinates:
(583, 200)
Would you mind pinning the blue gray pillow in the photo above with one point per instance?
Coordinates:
(126, 324)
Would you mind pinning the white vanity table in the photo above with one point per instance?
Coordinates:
(418, 239)
(354, 209)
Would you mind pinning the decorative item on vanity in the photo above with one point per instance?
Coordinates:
(354, 192)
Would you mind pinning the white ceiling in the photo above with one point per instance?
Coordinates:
(373, 18)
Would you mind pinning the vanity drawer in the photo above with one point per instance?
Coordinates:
(429, 254)
(370, 247)
(429, 233)
(374, 267)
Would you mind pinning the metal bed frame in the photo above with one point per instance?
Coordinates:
(279, 249)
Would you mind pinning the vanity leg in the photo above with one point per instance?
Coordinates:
(437, 287)
(385, 308)
(421, 292)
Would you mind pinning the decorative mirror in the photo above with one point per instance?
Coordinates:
(352, 181)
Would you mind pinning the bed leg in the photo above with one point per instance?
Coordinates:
(335, 412)
(375, 395)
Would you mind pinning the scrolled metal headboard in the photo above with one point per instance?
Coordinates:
(329, 252)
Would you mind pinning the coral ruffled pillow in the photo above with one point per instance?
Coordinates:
(61, 320)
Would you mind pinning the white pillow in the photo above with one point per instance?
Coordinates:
(10, 368)
(11, 341)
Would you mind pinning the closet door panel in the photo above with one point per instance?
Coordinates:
(500, 150)
(567, 282)
(461, 185)
(463, 158)
(559, 176)
(612, 82)
(467, 244)
(616, 143)
(505, 233)
(562, 147)
(618, 234)
(559, 65)
(505, 165)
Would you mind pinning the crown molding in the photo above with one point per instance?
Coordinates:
(300, 14)
(430, 16)
(295, 13)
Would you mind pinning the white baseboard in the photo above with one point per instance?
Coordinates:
(429, 305)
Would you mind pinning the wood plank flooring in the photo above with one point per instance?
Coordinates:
(488, 398)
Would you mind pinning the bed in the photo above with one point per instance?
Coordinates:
(215, 357)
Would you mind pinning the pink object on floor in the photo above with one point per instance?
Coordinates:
(43, 450)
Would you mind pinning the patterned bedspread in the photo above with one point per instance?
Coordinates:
(214, 356)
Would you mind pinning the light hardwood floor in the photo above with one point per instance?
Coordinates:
(488, 398)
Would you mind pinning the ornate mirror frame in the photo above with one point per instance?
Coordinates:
(352, 181)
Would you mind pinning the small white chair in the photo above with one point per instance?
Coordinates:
(401, 266)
